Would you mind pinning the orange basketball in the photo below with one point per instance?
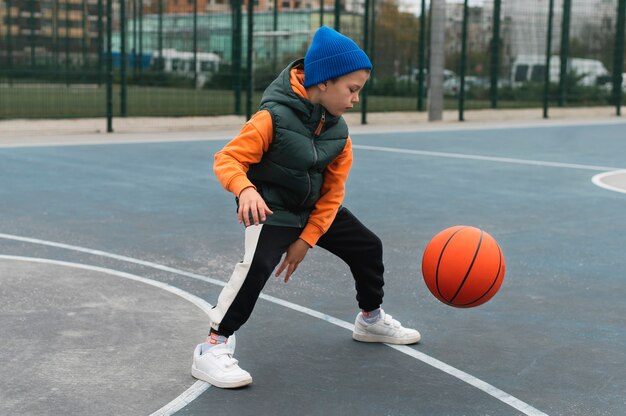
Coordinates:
(463, 266)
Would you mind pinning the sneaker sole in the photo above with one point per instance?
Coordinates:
(201, 375)
(384, 339)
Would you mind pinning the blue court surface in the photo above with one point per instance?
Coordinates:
(112, 254)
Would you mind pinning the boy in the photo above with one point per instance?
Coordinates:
(288, 168)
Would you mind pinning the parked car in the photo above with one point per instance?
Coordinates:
(531, 68)
(450, 80)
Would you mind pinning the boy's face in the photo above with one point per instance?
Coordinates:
(340, 95)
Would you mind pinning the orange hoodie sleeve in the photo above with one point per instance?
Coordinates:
(333, 191)
(232, 162)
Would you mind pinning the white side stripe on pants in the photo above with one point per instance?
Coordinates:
(228, 294)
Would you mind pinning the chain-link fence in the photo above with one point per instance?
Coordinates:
(82, 58)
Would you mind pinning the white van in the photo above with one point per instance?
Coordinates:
(181, 62)
(528, 68)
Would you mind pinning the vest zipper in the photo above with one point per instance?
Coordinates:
(318, 131)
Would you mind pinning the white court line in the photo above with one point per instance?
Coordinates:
(461, 375)
(598, 180)
(198, 387)
(485, 158)
(226, 132)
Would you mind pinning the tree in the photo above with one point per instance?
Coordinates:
(397, 37)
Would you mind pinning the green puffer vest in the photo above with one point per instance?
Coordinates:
(289, 177)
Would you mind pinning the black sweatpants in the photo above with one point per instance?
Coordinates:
(347, 238)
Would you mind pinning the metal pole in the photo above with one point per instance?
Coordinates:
(100, 42)
(435, 73)
(372, 51)
(338, 15)
(236, 53)
(123, 58)
(567, 12)
(67, 42)
(463, 62)
(546, 84)
(495, 53)
(55, 35)
(160, 36)
(140, 39)
(366, 47)
(9, 38)
(134, 40)
(31, 36)
(421, 58)
(321, 13)
(618, 61)
(109, 95)
(274, 39)
(84, 28)
(250, 44)
(195, 43)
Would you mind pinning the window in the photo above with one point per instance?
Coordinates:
(538, 73)
(521, 73)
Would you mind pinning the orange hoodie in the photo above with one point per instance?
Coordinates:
(232, 163)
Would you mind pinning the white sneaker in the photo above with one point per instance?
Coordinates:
(385, 329)
(218, 367)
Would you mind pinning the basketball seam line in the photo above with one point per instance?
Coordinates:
(443, 250)
(469, 269)
(492, 284)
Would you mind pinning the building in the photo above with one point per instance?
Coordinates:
(478, 33)
(48, 32)
(72, 32)
(214, 34)
(202, 6)
(526, 24)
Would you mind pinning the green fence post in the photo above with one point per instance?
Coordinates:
(366, 47)
(250, 69)
(123, 58)
(31, 35)
(567, 12)
(546, 83)
(100, 42)
(160, 37)
(495, 54)
(67, 43)
(195, 43)
(9, 39)
(338, 15)
(421, 58)
(134, 40)
(463, 62)
(236, 52)
(274, 38)
(85, 30)
(618, 60)
(372, 51)
(55, 35)
(109, 95)
(140, 40)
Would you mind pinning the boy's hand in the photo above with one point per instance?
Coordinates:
(295, 254)
(252, 203)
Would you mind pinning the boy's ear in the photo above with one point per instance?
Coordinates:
(323, 86)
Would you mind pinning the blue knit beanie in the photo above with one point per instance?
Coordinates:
(332, 55)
